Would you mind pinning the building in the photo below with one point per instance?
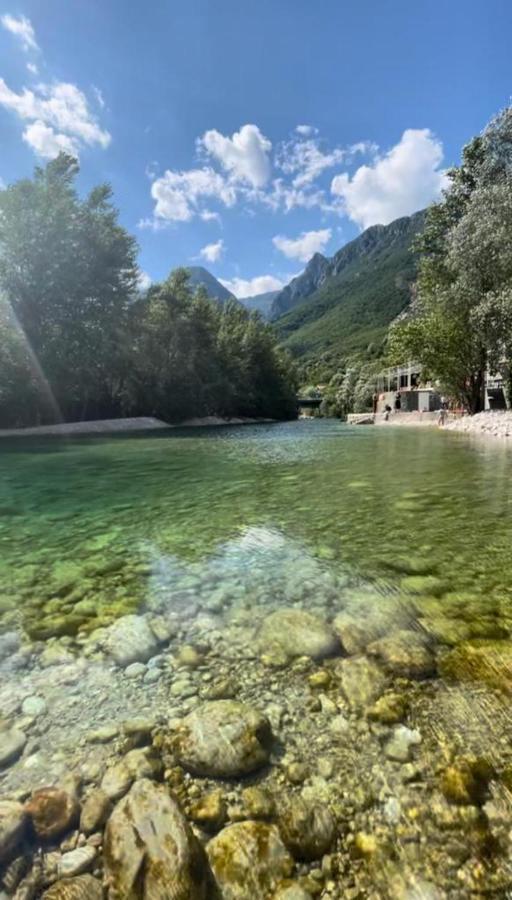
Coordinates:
(405, 381)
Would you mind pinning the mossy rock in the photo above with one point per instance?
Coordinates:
(53, 626)
(424, 584)
(486, 661)
(466, 781)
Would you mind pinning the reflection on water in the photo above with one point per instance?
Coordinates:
(352, 584)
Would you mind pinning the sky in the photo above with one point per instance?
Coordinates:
(246, 135)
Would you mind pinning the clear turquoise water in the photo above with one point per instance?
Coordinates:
(91, 528)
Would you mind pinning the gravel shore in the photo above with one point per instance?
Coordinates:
(497, 424)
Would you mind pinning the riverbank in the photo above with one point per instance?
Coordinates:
(495, 424)
(117, 426)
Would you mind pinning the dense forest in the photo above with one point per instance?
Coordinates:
(80, 341)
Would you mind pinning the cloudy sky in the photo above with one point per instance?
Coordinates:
(246, 135)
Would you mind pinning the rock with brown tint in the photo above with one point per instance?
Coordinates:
(53, 812)
(308, 829)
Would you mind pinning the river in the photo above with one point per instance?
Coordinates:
(389, 706)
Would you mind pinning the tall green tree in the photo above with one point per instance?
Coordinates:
(461, 326)
(68, 271)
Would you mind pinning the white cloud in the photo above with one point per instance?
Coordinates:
(306, 130)
(244, 155)
(305, 246)
(177, 194)
(22, 28)
(48, 143)
(213, 252)
(59, 114)
(248, 287)
(208, 216)
(305, 159)
(144, 281)
(32, 68)
(406, 179)
(100, 100)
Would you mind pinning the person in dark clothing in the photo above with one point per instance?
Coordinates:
(398, 403)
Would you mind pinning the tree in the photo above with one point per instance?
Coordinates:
(68, 271)
(461, 323)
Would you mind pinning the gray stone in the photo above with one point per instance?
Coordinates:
(95, 811)
(223, 738)
(76, 862)
(34, 706)
(249, 859)
(401, 743)
(12, 823)
(135, 670)
(298, 633)
(150, 850)
(117, 781)
(130, 640)
(404, 653)
(12, 742)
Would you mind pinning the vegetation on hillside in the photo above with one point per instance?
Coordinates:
(461, 324)
(79, 342)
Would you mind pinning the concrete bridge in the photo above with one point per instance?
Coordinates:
(309, 402)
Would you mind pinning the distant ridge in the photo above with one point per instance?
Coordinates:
(201, 277)
(344, 304)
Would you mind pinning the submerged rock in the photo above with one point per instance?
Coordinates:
(401, 743)
(404, 653)
(12, 743)
(95, 811)
(53, 812)
(150, 849)
(131, 640)
(307, 829)
(466, 781)
(77, 861)
(249, 860)
(487, 661)
(223, 738)
(362, 680)
(84, 887)
(13, 819)
(298, 633)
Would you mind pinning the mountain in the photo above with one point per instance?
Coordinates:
(200, 277)
(360, 290)
(262, 303)
(302, 286)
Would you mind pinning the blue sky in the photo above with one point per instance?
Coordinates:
(246, 134)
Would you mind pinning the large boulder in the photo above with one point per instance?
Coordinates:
(150, 850)
(249, 860)
(296, 632)
(130, 640)
(223, 738)
(12, 824)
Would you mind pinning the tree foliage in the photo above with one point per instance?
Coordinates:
(79, 341)
(461, 326)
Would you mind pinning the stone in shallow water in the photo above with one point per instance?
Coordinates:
(75, 862)
(117, 781)
(131, 640)
(298, 633)
(33, 706)
(53, 812)
(249, 860)
(223, 738)
(95, 811)
(401, 743)
(84, 887)
(362, 681)
(12, 823)
(291, 890)
(487, 661)
(307, 829)
(404, 653)
(12, 742)
(150, 850)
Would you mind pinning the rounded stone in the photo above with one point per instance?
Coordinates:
(223, 738)
(53, 812)
(12, 742)
(12, 824)
(249, 859)
(34, 706)
(307, 829)
(296, 632)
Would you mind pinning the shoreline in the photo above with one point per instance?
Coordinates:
(122, 426)
(497, 423)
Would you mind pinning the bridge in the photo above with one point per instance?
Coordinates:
(309, 402)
